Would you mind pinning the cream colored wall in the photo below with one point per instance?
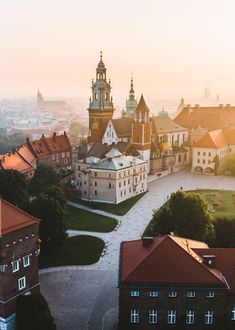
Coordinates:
(183, 137)
(206, 156)
(110, 135)
(113, 186)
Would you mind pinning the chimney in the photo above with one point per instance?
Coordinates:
(228, 106)
(221, 106)
(209, 260)
(27, 140)
(54, 136)
(197, 106)
(147, 240)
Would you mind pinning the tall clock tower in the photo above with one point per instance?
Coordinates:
(101, 104)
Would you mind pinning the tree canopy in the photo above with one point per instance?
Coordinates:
(45, 176)
(14, 188)
(32, 312)
(185, 214)
(230, 163)
(50, 206)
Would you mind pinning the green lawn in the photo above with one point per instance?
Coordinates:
(84, 220)
(118, 209)
(78, 250)
(221, 202)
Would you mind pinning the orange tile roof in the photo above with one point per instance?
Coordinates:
(12, 218)
(211, 118)
(27, 154)
(51, 144)
(167, 260)
(213, 139)
(142, 106)
(16, 162)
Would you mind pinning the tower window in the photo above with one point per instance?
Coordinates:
(96, 96)
(106, 97)
(21, 283)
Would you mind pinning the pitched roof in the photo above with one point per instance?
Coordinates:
(12, 218)
(122, 126)
(211, 118)
(142, 106)
(224, 261)
(113, 153)
(51, 144)
(15, 162)
(217, 139)
(118, 163)
(166, 260)
(164, 124)
(27, 154)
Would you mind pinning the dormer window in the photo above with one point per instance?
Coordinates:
(135, 293)
(191, 294)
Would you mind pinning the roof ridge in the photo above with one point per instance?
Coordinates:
(200, 263)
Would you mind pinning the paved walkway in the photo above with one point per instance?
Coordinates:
(135, 221)
(85, 297)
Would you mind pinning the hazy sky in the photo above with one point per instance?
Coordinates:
(173, 47)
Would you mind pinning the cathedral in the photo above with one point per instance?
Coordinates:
(158, 140)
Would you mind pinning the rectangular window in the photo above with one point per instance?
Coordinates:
(63, 154)
(172, 294)
(191, 294)
(198, 161)
(209, 154)
(210, 294)
(110, 175)
(135, 293)
(134, 316)
(95, 183)
(120, 184)
(209, 317)
(95, 173)
(65, 161)
(15, 266)
(21, 283)
(171, 316)
(128, 181)
(96, 192)
(198, 153)
(204, 154)
(109, 185)
(26, 261)
(190, 315)
(153, 316)
(233, 314)
(153, 294)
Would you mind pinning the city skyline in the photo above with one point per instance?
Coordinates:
(172, 48)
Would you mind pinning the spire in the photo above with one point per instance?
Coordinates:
(132, 92)
(101, 54)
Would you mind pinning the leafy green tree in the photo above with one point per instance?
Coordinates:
(224, 232)
(216, 162)
(230, 163)
(8, 142)
(185, 214)
(13, 188)
(32, 312)
(50, 206)
(45, 177)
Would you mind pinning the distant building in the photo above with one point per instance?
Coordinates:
(19, 250)
(49, 105)
(210, 118)
(219, 143)
(111, 180)
(21, 159)
(170, 281)
(131, 103)
(52, 150)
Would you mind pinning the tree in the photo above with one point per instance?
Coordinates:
(45, 176)
(224, 232)
(216, 162)
(13, 188)
(230, 163)
(185, 214)
(32, 312)
(50, 206)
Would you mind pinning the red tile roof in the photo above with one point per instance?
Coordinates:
(211, 118)
(16, 162)
(142, 106)
(167, 260)
(224, 261)
(217, 139)
(213, 139)
(12, 218)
